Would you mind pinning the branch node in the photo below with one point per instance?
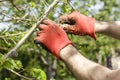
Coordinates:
(12, 53)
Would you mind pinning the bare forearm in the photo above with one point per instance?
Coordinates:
(81, 67)
(108, 28)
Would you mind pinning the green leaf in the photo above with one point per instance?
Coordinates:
(1, 57)
(8, 64)
(13, 64)
(7, 79)
(38, 74)
(19, 64)
(32, 4)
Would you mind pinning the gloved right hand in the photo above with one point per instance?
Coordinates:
(53, 37)
(81, 24)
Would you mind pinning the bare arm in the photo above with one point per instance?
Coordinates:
(85, 69)
(108, 28)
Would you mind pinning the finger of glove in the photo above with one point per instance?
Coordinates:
(44, 22)
(40, 43)
(37, 41)
(69, 19)
(43, 27)
(38, 33)
(63, 19)
(47, 22)
(69, 28)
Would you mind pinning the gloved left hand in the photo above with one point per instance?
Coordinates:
(53, 37)
(80, 24)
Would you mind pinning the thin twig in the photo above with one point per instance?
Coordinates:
(9, 35)
(69, 2)
(23, 18)
(20, 74)
(14, 18)
(12, 2)
(19, 44)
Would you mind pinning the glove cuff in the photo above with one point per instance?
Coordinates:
(92, 24)
(61, 46)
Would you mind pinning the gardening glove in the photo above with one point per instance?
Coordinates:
(53, 37)
(81, 24)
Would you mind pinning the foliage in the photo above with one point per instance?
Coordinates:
(9, 63)
(35, 62)
(38, 73)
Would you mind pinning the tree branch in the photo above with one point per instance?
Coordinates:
(20, 75)
(14, 18)
(19, 44)
(12, 2)
(69, 2)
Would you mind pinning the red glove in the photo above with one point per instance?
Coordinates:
(53, 37)
(82, 25)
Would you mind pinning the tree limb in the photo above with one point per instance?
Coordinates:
(14, 18)
(19, 44)
(20, 75)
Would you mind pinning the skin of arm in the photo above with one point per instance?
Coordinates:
(84, 69)
(111, 28)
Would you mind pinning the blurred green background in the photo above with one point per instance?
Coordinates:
(18, 16)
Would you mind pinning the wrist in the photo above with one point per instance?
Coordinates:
(100, 27)
(67, 52)
(62, 45)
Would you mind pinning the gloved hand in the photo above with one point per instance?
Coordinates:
(81, 24)
(53, 37)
